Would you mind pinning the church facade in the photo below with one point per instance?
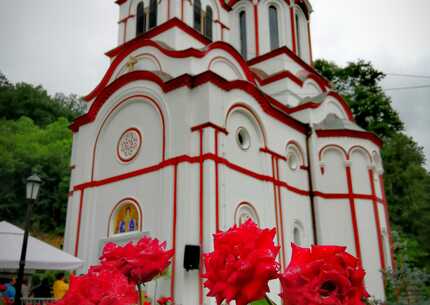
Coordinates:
(209, 114)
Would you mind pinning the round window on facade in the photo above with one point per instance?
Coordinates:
(243, 138)
(129, 145)
(245, 212)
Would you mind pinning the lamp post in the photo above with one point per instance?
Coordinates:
(33, 185)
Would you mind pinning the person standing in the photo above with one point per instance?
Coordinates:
(60, 287)
(10, 292)
(42, 291)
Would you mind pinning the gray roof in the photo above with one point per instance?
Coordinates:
(333, 122)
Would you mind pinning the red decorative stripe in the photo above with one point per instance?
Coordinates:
(201, 216)
(269, 105)
(298, 60)
(293, 28)
(210, 125)
(365, 135)
(78, 230)
(174, 228)
(377, 221)
(142, 41)
(353, 215)
(256, 29)
(174, 22)
(387, 221)
(274, 154)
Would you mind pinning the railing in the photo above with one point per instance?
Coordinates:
(37, 301)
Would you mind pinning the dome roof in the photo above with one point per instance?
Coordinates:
(333, 122)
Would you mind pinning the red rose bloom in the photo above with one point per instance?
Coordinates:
(100, 287)
(323, 275)
(139, 262)
(242, 264)
(165, 301)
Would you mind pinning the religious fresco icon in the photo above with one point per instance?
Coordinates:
(126, 218)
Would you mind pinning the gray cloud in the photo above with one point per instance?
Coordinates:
(60, 44)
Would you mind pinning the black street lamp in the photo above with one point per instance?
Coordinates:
(33, 185)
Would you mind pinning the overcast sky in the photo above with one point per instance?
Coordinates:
(60, 44)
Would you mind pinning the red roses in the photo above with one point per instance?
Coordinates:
(323, 275)
(139, 262)
(100, 287)
(242, 264)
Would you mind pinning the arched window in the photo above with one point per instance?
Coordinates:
(152, 13)
(274, 27)
(243, 34)
(140, 19)
(208, 22)
(197, 15)
(301, 32)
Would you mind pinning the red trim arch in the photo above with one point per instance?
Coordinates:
(226, 61)
(299, 149)
(339, 133)
(360, 148)
(269, 105)
(144, 98)
(141, 41)
(118, 205)
(332, 146)
(249, 110)
(248, 204)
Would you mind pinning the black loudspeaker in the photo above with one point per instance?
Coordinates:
(192, 257)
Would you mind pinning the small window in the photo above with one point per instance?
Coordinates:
(274, 27)
(243, 34)
(208, 23)
(243, 138)
(386, 247)
(197, 15)
(298, 234)
(152, 13)
(140, 19)
(298, 36)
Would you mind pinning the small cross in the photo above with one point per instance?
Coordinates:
(131, 63)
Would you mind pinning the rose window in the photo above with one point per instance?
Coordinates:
(129, 144)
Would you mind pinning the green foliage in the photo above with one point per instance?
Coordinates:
(34, 102)
(27, 148)
(34, 137)
(358, 83)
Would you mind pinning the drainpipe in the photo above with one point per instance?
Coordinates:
(309, 133)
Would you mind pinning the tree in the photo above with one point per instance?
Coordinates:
(358, 83)
(27, 148)
(34, 102)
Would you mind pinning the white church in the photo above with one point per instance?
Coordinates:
(209, 114)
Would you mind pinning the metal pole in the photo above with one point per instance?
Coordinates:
(20, 276)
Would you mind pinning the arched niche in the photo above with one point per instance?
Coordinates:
(246, 211)
(225, 68)
(125, 217)
(333, 159)
(361, 162)
(140, 114)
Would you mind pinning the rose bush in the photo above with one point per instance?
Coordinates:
(139, 262)
(242, 264)
(323, 275)
(100, 287)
